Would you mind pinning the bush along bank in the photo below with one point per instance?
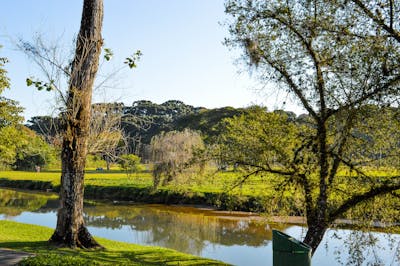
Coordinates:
(221, 201)
(27, 184)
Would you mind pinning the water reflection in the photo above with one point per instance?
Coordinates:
(236, 238)
(183, 228)
(366, 248)
(355, 247)
(13, 203)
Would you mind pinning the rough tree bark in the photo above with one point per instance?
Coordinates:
(71, 230)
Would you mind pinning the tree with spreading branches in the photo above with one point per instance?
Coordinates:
(334, 63)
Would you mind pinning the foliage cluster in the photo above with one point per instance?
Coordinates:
(130, 163)
(20, 147)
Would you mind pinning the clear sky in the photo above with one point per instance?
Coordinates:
(181, 41)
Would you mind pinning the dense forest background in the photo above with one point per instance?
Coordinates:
(139, 123)
(143, 120)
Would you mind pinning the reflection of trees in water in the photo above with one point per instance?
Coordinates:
(184, 229)
(190, 230)
(13, 202)
(367, 248)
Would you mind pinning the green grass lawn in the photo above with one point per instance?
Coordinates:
(263, 188)
(112, 178)
(210, 182)
(214, 188)
(33, 239)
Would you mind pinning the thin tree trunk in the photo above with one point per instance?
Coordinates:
(71, 230)
(108, 163)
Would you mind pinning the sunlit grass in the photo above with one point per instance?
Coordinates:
(211, 181)
(214, 182)
(53, 177)
(33, 239)
(371, 171)
(113, 178)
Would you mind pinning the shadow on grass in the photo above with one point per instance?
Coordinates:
(158, 258)
(27, 246)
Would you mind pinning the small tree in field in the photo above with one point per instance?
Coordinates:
(130, 163)
(172, 152)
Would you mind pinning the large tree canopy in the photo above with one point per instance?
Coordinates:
(333, 61)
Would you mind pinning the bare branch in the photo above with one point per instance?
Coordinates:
(379, 21)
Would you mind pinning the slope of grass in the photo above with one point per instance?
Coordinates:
(211, 183)
(33, 239)
(223, 190)
(113, 178)
(216, 189)
(215, 182)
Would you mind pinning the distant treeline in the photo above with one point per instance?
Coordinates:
(143, 120)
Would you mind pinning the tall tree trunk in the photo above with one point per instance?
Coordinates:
(315, 233)
(71, 230)
(317, 215)
(317, 222)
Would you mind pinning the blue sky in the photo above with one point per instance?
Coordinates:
(181, 41)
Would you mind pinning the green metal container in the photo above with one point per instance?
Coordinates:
(288, 251)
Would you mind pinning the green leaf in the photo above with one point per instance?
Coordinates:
(131, 61)
(108, 54)
(29, 82)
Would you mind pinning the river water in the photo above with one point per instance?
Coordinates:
(236, 238)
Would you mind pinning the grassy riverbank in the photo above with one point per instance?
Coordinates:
(212, 182)
(223, 190)
(216, 190)
(33, 239)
